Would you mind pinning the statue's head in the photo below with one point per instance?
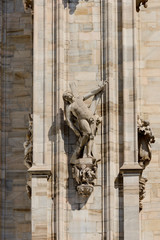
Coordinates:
(68, 97)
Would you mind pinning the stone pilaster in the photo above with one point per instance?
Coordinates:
(110, 111)
(43, 105)
(131, 206)
(130, 169)
(41, 203)
(48, 143)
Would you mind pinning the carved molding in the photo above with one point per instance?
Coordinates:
(139, 3)
(145, 139)
(28, 6)
(84, 121)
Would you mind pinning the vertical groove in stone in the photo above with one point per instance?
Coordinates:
(59, 124)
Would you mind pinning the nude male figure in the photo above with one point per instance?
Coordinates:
(86, 121)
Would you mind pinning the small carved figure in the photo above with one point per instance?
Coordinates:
(145, 138)
(141, 2)
(28, 153)
(28, 144)
(28, 5)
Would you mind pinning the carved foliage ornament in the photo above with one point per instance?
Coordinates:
(145, 139)
(139, 3)
(28, 6)
(142, 191)
(84, 121)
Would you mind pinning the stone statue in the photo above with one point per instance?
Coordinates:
(28, 6)
(84, 121)
(145, 139)
(28, 144)
(28, 153)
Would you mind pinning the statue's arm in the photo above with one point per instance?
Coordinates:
(69, 122)
(94, 92)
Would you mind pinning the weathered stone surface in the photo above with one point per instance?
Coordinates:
(16, 103)
(83, 42)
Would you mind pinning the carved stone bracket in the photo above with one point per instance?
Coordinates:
(140, 3)
(28, 6)
(84, 172)
(142, 191)
(145, 139)
(28, 153)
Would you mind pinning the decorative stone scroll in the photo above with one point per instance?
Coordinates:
(84, 121)
(140, 3)
(28, 5)
(145, 139)
(28, 152)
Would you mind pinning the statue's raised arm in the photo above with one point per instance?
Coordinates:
(95, 91)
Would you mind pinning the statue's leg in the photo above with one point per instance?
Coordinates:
(91, 142)
(86, 131)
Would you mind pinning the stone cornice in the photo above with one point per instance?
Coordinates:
(41, 170)
(140, 3)
(131, 169)
(28, 6)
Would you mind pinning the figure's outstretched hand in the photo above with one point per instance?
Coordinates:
(102, 84)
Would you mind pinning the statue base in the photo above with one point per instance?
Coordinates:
(85, 189)
(84, 171)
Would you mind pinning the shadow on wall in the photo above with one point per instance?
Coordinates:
(71, 4)
(74, 199)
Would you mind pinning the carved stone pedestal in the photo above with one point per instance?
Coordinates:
(84, 172)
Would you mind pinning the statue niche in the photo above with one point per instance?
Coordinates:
(84, 121)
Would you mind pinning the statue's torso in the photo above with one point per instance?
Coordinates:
(80, 110)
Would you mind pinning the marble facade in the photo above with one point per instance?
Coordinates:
(46, 47)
